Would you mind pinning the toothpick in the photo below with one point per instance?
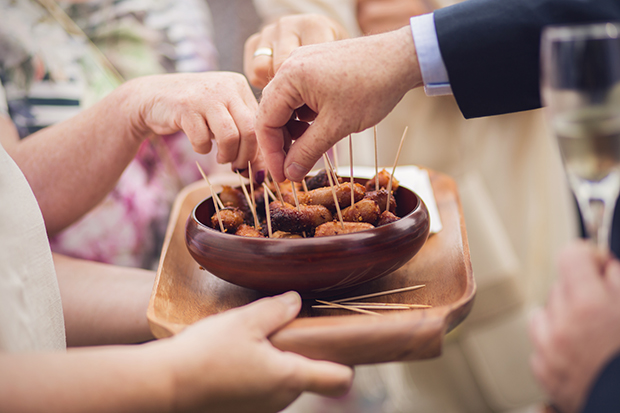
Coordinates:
(267, 212)
(398, 290)
(303, 234)
(336, 305)
(388, 304)
(366, 307)
(269, 193)
(214, 197)
(304, 185)
(330, 169)
(389, 188)
(279, 192)
(376, 160)
(217, 198)
(351, 167)
(247, 197)
(335, 147)
(251, 177)
(331, 184)
(295, 195)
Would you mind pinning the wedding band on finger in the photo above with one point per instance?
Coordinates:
(263, 51)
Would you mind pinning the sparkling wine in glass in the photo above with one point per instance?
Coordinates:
(580, 85)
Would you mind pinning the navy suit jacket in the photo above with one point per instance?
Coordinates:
(491, 51)
(491, 48)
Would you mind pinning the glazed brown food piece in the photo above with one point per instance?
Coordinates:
(365, 210)
(384, 179)
(282, 234)
(319, 180)
(335, 228)
(231, 217)
(246, 230)
(323, 196)
(380, 197)
(234, 197)
(285, 217)
(387, 218)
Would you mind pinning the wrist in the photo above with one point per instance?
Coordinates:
(131, 105)
(407, 59)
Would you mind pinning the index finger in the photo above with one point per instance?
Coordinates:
(278, 102)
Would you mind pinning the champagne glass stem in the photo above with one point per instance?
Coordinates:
(596, 202)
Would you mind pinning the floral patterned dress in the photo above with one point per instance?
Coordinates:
(49, 74)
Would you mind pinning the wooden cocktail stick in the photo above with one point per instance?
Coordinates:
(251, 177)
(304, 185)
(295, 195)
(267, 212)
(269, 193)
(351, 308)
(217, 198)
(366, 307)
(297, 203)
(213, 196)
(247, 198)
(376, 160)
(330, 169)
(351, 167)
(389, 188)
(331, 184)
(335, 148)
(279, 192)
(358, 303)
(398, 290)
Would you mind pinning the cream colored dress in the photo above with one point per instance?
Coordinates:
(31, 316)
(518, 213)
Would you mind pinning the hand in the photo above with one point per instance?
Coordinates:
(225, 363)
(379, 16)
(282, 37)
(212, 106)
(577, 332)
(349, 85)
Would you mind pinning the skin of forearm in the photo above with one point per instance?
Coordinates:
(106, 379)
(71, 166)
(103, 304)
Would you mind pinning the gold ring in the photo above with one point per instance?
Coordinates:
(263, 51)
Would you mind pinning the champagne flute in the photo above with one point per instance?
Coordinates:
(580, 86)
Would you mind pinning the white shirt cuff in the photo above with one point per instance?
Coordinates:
(434, 73)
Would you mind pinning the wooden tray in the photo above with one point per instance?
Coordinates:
(184, 293)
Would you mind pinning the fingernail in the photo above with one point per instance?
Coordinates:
(296, 172)
(291, 299)
(259, 176)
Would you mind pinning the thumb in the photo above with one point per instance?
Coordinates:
(268, 315)
(323, 377)
(309, 147)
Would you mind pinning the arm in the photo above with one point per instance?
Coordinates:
(103, 304)
(577, 333)
(494, 70)
(224, 363)
(71, 166)
(491, 48)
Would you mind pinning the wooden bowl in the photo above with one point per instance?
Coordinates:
(314, 267)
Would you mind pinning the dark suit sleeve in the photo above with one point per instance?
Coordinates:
(491, 48)
(605, 395)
